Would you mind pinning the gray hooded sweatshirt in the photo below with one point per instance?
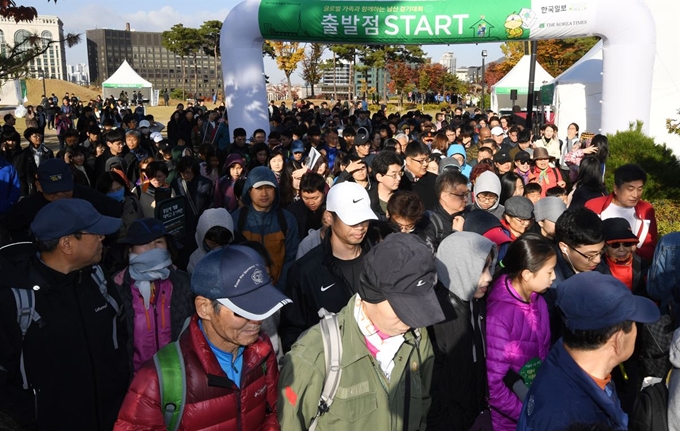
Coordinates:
(209, 218)
(460, 262)
(490, 183)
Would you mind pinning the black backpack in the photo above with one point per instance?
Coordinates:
(650, 411)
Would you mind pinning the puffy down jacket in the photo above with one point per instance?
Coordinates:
(516, 333)
(212, 400)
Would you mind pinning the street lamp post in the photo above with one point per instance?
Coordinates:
(42, 75)
(484, 54)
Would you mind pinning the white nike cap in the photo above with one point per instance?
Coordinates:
(350, 202)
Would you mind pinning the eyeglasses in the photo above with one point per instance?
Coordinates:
(405, 228)
(619, 244)
(522, 162)
(590, 258)
(522, 220)
(422, 162)
(487, 198)
(463, 196)
(395, 175)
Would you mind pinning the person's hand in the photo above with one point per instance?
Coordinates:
(590, 150)
(355, 166)
(458, 223)
(562, 184)
(298, 173)
(67, 158)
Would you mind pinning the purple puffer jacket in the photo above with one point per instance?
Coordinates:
(516, 332)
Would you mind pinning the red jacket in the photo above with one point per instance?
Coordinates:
(212, 400)
(647, 233)
(553, 174)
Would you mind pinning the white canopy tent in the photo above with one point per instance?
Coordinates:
(126, 79)
(577, 93)
(517, 79)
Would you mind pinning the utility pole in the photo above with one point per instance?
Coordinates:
(530, 93)
(484, 54)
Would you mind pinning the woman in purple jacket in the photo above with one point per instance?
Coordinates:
(517, 326)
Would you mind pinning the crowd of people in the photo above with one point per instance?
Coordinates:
(478, 276)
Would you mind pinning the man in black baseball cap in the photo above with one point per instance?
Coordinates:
(73, 324)
(385, 346)
(54, 182)
(599, 314)
(502, 162)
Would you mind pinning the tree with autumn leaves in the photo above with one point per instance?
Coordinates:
(431, 76)
(288, 55)
(555, 55)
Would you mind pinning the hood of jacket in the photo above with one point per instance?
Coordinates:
(460, 272)
(456, 149)
(212, 217)
(260, 173)
(232, 159)
(490, 183)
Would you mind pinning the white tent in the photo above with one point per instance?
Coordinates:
(517, 79)
(577, 93)
(126, 79)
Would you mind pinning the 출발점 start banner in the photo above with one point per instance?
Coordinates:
(421, 22)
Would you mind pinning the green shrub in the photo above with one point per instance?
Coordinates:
(177, 93)
(437, 107)
(667, 219)
(662, 167)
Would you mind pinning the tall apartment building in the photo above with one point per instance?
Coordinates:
(448, 60)
(52, 63)
(362, 82)
(144, 51)
(78, 73)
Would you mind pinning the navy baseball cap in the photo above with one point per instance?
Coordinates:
(55, 176)
(297, 147)
(67, 216)
(590, 301)
(144, 230)
(237, 278)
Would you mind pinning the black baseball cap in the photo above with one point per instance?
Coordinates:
(502, 157)
(522, 156)
(401, 270)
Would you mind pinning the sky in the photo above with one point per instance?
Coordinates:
(155, 15)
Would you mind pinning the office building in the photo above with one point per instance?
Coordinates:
(144, 51)
(52, 63)
(448, 60)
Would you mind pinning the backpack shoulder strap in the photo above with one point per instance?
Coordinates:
(242, 218)
(283, 224)
(26, 314)
(332, 351)
(170, 368)
(437, 223)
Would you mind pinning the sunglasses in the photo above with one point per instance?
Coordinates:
(522, 162)
(616, 245)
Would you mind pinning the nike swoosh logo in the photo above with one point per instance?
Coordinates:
(355, 201)
(420, 283)
(323, 289)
